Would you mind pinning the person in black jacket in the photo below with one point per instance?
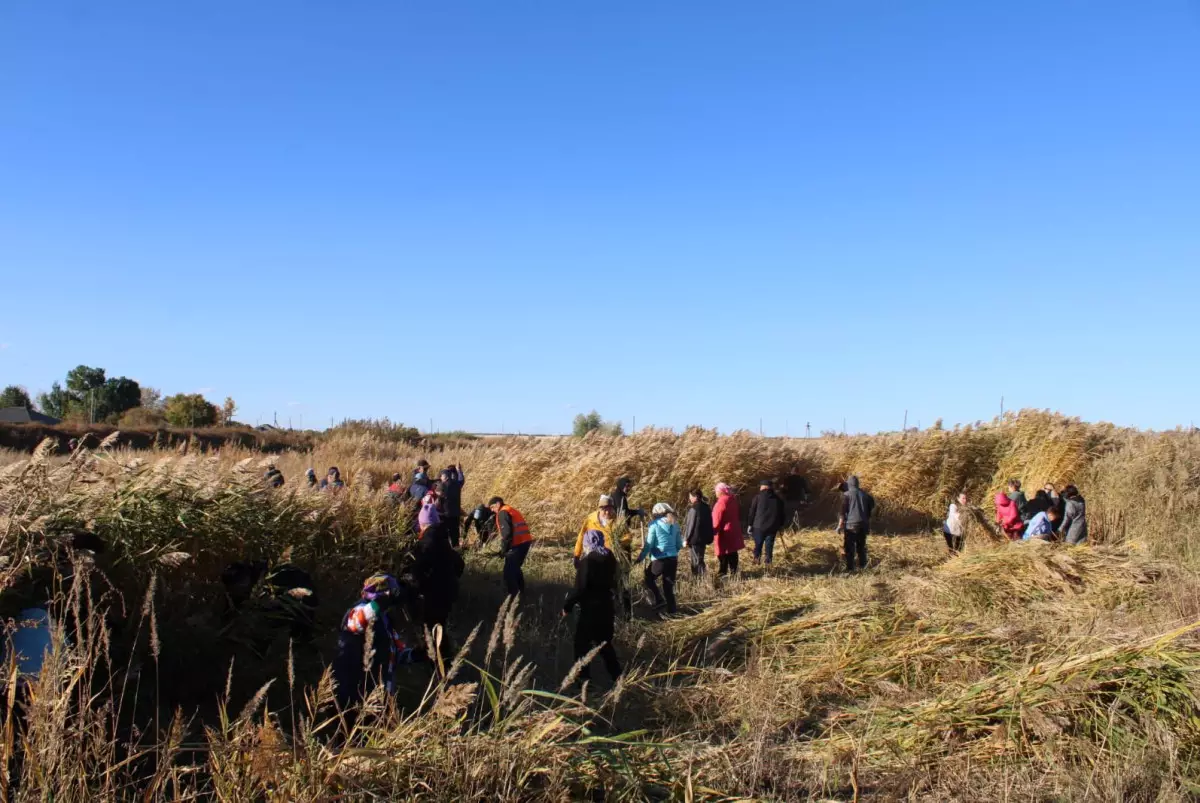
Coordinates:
(767, 517)
(450, 485)
(436, 571)
(273, 477)
(620, 499)
(855, 523)
(697, 529)
(595, 584)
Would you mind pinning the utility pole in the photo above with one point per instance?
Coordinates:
(275, 415)
(634, 430)
(843, 425)
(808, 429)
(905, 427)
(760, 427)
(1001, 407)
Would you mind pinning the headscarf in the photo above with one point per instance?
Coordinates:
(723, 489)
(593, 541)
(380, 585)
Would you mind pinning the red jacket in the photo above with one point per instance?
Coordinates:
(1008, 516)
(727, 526)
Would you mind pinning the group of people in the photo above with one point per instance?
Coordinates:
(1050, 516)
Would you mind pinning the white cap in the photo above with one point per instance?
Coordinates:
(605, 501)
(662, 509)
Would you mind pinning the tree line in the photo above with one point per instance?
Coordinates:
(88, 395)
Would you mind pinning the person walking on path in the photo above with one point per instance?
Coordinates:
(855, 523)
(954, 527)
(595, 586)
(1008, 517)
(663, 544)
(1074, 527)
(515, 541)
(727, 530)
(767, 517)
(697, 530)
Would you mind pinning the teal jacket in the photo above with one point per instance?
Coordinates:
(663, 540)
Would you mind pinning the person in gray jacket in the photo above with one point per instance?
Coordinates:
(1074, 529)
(855, 523)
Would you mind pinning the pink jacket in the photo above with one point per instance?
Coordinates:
(727, 526)
(1008, 517)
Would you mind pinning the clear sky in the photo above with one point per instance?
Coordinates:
(499, 214)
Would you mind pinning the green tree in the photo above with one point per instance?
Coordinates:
(118, 395)
(85, 385)
(57, 402)
(592, 422)
(14, 396)
(190, 410)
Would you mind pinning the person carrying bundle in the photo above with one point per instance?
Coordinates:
(595, 587)
(663, 543)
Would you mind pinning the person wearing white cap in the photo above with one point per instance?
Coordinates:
(663, 544)
(601, 520)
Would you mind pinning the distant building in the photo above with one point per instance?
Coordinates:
(23, 415)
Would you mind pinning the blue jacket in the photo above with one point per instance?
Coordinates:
(1039, 525)
(663, 540)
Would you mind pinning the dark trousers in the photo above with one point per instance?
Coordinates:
(728, 563)
(596, 627)
(696, 552)
(855, 542)
(762, 540)
(666, 569)
(953, 542)
(514, 578)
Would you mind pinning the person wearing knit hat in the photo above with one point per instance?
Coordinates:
(663, 544)
(371, 615)
(595, 586)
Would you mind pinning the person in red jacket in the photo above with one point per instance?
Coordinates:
(1008, 516)
(727, 529)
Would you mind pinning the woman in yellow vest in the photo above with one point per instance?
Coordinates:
(515, 541)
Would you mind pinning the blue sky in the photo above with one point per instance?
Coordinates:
(499, 214)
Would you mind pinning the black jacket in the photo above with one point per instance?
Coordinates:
(438, 565)
(595, 582)
(450, 499)
(767, 513)
(485, 523)
(697, 525)
(620, 500)
(857, 506)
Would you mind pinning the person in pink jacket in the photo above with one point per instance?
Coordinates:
(727, 530)
(1008, 516)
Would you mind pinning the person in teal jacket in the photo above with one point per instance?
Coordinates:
(663, 544)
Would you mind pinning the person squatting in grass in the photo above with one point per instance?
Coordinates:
(727, 530)
(663, 544)
(697, 529)
(766, 518)
(484, 522)
(954, 528)
(855, 523)
(515, 541)
(371, 618)
(1041, 526)
(595, 588)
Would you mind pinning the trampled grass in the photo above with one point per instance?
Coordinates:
(1024, 671)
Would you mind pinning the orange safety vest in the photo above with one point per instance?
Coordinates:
(520, 526)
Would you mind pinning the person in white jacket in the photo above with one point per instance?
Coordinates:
(954, 527)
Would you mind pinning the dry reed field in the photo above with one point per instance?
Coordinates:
(1024, 671)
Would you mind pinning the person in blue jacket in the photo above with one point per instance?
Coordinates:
(663, 544)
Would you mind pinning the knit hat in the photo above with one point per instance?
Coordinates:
(662, 509)
(379, 586)
(605, 501)
(593, 541)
